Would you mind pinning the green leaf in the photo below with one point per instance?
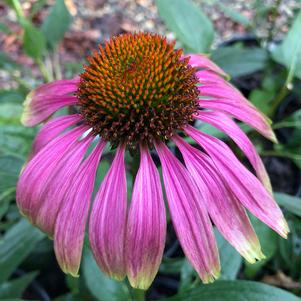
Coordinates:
(7, 63)
(4, 206)
(293, 120)
(239, 61)
(234, 15)
(171, 265)
(291, 203)
(57, 23)
(15, 288)
(16, 245)
(187, 275)
(268, 240)
(235, 291)
(11, 96)
(13, 300)
(10, 167)
(188, 22)
(230, 259)
(72, 283)
(102, 287)
(289, 52)
(10, 113)
(34, 42)
(16, 139)
(267, 237)
(36, 7)
(290, 249)
(262, 99)
(230, 264)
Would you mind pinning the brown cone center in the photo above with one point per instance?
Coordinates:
(137, 88)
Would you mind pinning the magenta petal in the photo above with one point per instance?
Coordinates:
(226, 212)
(72, 218)
(243, 112)
(189, 216)
(202, 61)
(47, 99)
(227, 125)
(59, 185)
(223, 89)
(34, 177)
(51, 130)
(207, 77)
(146, 228)
(37, 110)
(244, 185)
(57, 87)
(227, 98)
(108, 220)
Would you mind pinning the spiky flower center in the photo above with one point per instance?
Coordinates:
(137, 88)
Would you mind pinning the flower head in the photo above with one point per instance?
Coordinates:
(137, 89)
(138, 93)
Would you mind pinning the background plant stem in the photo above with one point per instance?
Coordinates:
(44, 70)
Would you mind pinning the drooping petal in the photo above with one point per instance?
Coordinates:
(57, 87)
(71, 221)
(108, 220)
(223, 90)
(34, 177)
(202, 61)
(59, 186)
(243, 112)
(244, 185)
(37, 110)
(146, 228)
(47, 99)
(227, 125)
(51, 130)
(189, 216)
(226, 212)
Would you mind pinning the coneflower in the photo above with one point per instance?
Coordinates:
(138, 93)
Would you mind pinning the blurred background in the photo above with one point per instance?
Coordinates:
(258, 43)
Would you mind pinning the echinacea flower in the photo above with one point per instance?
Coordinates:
(138, 93)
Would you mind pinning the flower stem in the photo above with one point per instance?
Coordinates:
(44, 70)
(18, 9)
(288, 82)
(139, 295)
(57, 65)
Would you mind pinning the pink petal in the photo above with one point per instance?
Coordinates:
(33, 179)
(207, 77)
(243, 112)
(223, 90)
(108, 220)
(51, 130)
(226, 212)
(189, 216)
(202, 61)
(227, 125)
(72, 218)
(227, 98)
(59, 185)
(47, 99)
(244, 185)
(57, 87)
(37, 110)
(146, 228)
